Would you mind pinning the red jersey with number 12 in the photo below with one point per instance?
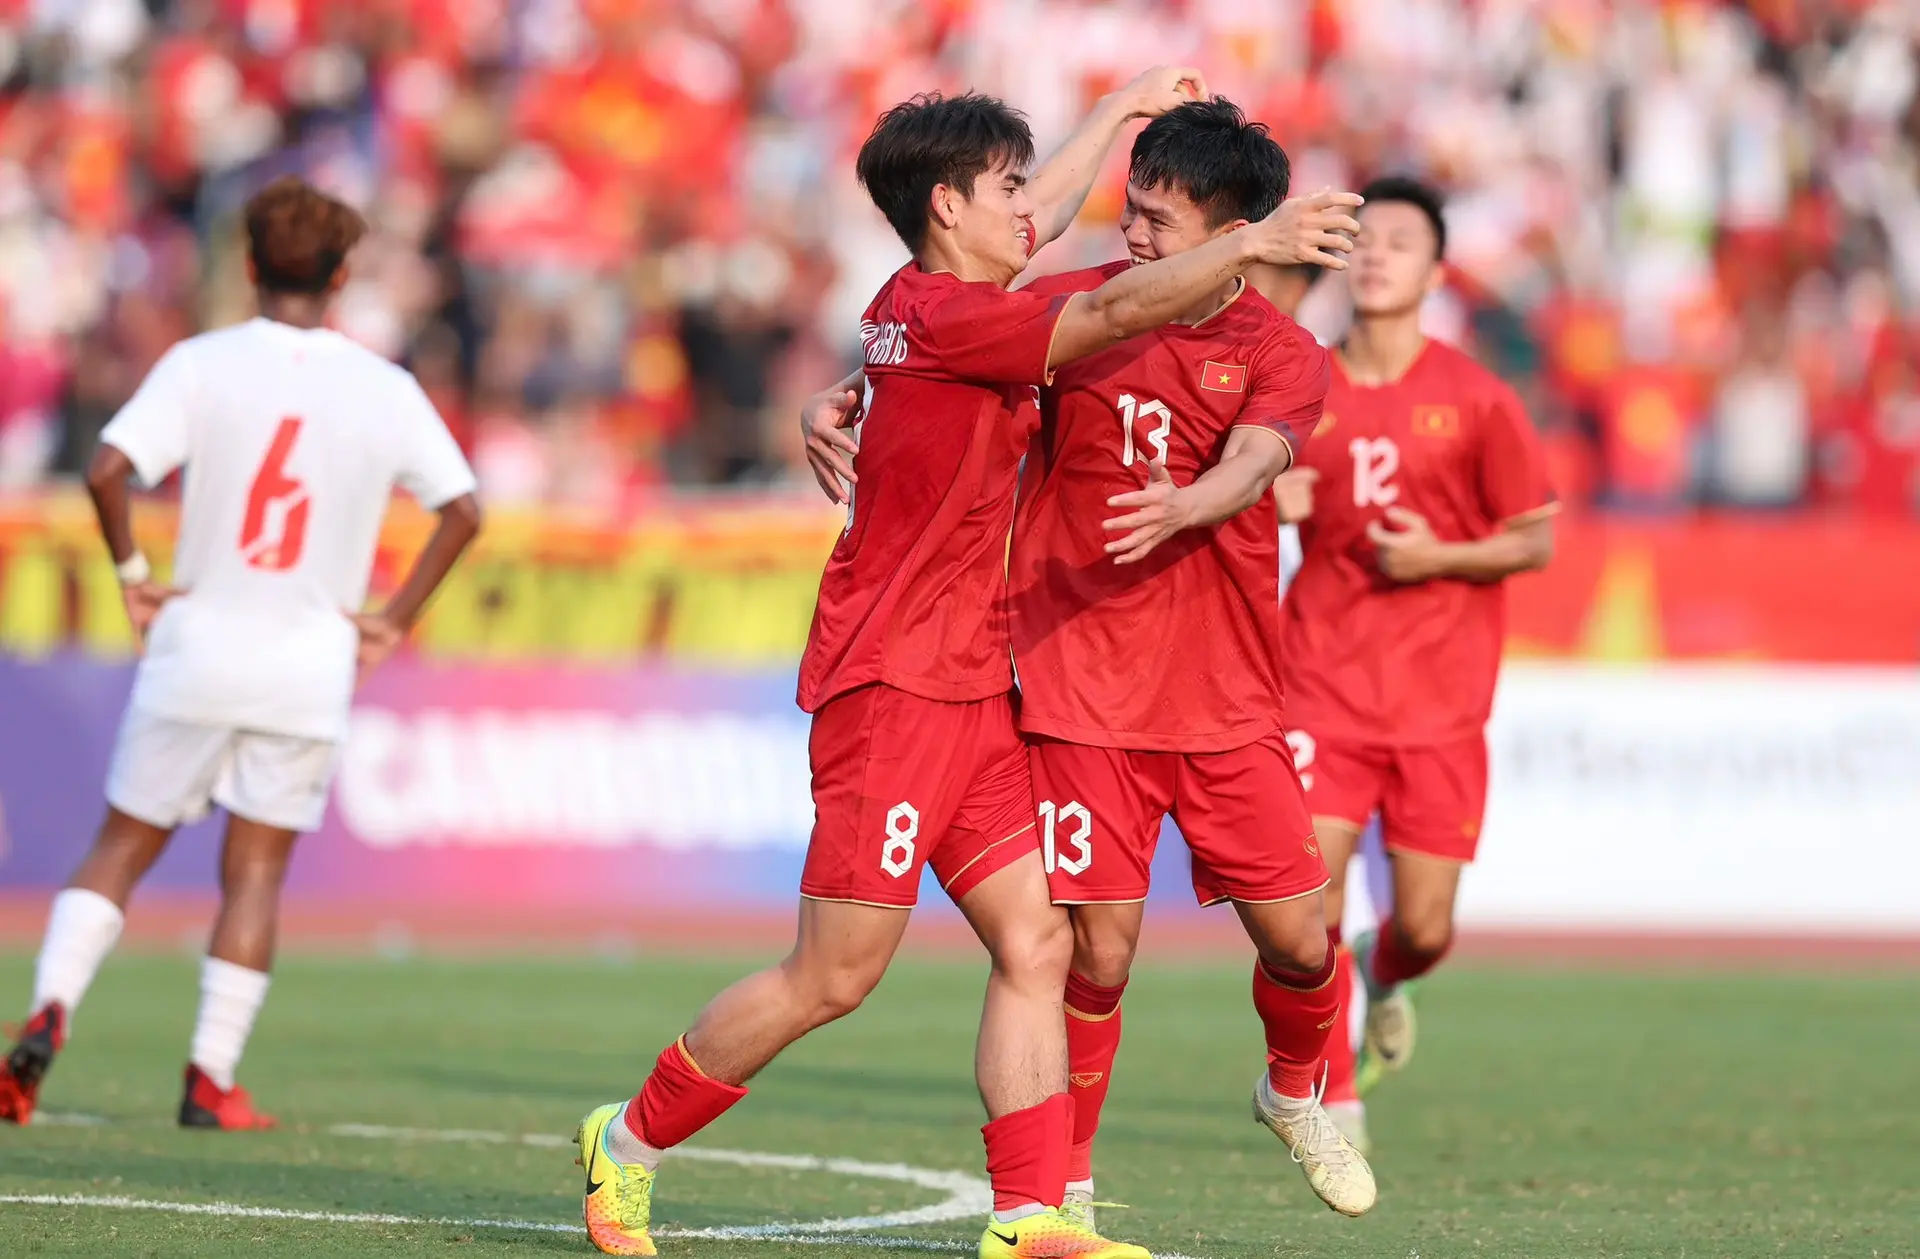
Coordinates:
(1368, 659)
(914, 594)
(1179, 652)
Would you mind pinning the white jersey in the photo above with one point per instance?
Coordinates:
(293, 441)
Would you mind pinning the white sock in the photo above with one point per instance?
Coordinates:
(628, 1148)
(1080, 1186)
(82, 929)
(1018, 1213)
(230, 997)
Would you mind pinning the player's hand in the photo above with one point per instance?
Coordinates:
(1163, 89)
(1409, 553)
(1293, 494)
(1317, 229)
(379, 638)
(824, 422)
(1161, 511)
(143, 600)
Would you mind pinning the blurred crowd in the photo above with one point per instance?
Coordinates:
(619, 239)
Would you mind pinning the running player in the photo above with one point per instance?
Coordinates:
(914, 752)
(292, 438)
(1432, 492)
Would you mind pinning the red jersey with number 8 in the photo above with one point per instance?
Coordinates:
(1371, 660)
(1179, 652)
(914, 594)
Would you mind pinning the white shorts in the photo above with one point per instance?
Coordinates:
(167, 773)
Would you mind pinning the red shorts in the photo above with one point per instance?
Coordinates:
(899, 781)
(1430, 799)
(1241, 812)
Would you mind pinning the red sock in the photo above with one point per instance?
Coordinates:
(1394, 962)
(678, 1100)
(1093, 1038)
(1340, 1061)
(1027, 1154)
(1298, 1012)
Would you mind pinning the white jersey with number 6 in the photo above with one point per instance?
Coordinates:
(292, 441)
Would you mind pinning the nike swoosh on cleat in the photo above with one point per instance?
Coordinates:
(593, 1186)
(1003, 1238)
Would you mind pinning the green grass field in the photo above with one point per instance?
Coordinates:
(1576, 1113)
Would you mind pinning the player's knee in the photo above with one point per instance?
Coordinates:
(1428, 935)
(1036, 953)
(836, 993)
(1300, 953)
(1104, 957)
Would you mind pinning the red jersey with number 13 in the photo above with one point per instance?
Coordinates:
(1368, 659)
(914, 594)
(1179, 652)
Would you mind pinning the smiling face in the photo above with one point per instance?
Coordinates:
(1163, 221)
(1395, 261)
(994, 225)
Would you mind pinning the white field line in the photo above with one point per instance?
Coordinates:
(967, 1196)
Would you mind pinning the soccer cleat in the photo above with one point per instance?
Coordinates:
(619, 1199)
(1351, 1119)
(27, 1064)
(204, 1104)
(1390, 1027)
(1052, 1234)
(1336, 1170)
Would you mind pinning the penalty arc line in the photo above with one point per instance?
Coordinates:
(968, 1196)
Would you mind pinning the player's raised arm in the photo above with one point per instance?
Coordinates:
(1307, 229)
(1060, 186)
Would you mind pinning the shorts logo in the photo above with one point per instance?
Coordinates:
(1436, 421)
(1470, 829)
(1313, 849)
(1085, 1079)
(1052, 816)
(903, 827)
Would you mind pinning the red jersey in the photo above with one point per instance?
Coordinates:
(1370, 660)
(1179, 652)
(914, 594)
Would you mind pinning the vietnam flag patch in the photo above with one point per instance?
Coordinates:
(1436, 421)
(1223, 377)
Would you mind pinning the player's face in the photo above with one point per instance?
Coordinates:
(995, 224)
(1392, 267)
(1161, 222)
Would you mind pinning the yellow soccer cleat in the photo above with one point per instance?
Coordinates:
(619, 1201)
(1391, 1029)
(1052, 1235)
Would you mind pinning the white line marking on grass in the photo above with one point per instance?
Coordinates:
(967, 1196)
(234, 1210)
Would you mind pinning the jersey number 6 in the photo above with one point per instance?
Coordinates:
(275, 531)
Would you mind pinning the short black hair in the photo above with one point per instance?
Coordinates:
(934, 139)
(1229, 167)
(1423, 197)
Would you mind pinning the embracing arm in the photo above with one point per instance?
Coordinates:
(1060, 186)
(1253, 458)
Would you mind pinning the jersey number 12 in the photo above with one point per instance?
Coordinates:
(1375, 460)
(275, 531)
